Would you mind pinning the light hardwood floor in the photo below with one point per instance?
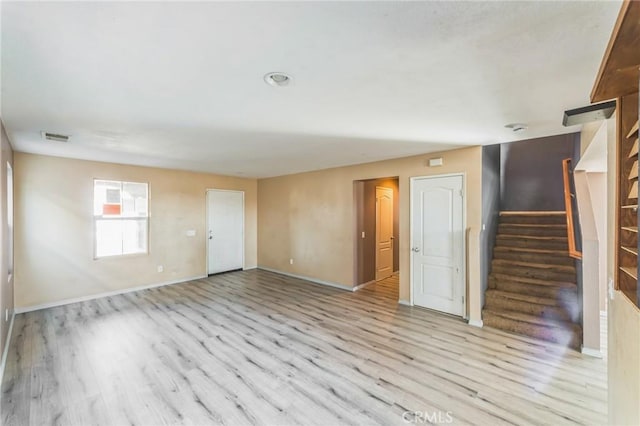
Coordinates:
(256, 347)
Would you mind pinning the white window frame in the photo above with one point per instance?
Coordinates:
(109, 217)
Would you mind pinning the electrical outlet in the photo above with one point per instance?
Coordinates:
(362, 234)
(290, 261)
(6, 315)
(160, 268)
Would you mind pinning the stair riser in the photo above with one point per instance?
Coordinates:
(534, 244)
(557, 313)
(506, 229)
(536, 220)
(563, 295)
(541, 274)
(570, 338)
(534, 258)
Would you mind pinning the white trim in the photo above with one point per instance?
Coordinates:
(363, 285)
(7, 343)
(32, 308)
(591, 352)
(313, 280)
(405, 303)
(476, 323)
(465, 285)
(206, 227)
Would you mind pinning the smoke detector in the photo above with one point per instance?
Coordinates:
(517, 127)
(55, 137)
(278, 79)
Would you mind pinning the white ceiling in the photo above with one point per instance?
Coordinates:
(180, 85)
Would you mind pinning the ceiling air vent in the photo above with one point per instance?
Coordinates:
(55, 137)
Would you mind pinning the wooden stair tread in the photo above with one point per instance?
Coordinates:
(631, 271)
(533, 237)
(533, 281)
(634, 129)
(632, 250)
(634, 149)
(535, 320)
(545, 266)
(630, 228)
(563, 253)
(633, 174)
(534, 225)
(547, 301)
(633, 192)
(532, 213)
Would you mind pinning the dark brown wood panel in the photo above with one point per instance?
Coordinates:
(618, 75)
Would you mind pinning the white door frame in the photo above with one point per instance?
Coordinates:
(206, 227)
(464, 233)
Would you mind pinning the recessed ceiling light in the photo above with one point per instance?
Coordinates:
(517, 127)
(277, 79)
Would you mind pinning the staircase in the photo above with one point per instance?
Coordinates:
(532, 286)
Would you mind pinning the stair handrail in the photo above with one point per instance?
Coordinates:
(568, 207)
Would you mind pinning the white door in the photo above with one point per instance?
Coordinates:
(437, 244)
(384, 232)
(225, 231)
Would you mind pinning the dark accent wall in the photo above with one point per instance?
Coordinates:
(490, 210)
(531, 178)
(365, 194)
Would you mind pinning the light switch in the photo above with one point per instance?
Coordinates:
(362, 234)
(191, 233)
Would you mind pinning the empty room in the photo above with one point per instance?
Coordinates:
(319, 213)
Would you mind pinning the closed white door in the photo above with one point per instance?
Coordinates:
(384, 232)
(225, 231)
(437, 244)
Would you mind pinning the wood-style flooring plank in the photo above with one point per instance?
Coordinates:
(255, 347)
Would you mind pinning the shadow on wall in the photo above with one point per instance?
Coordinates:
(531, 172)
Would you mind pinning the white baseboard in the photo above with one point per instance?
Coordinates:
(313, 280)
(358, 287)
(7, 343)
(405, 303)
(476, 323)
(32, 308)
(596, 353)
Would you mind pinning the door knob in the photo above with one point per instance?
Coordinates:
(415, 249)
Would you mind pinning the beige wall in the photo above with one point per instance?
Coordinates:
(54, 228)
(310, 217)
(6, 286)
(590, 265)
(598, 191)
(623, 321)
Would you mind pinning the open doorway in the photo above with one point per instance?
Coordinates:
(377, 204)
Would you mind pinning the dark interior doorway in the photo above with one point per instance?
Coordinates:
(365, 229)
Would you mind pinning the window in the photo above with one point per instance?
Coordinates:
(10, 219)
(120, 216)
